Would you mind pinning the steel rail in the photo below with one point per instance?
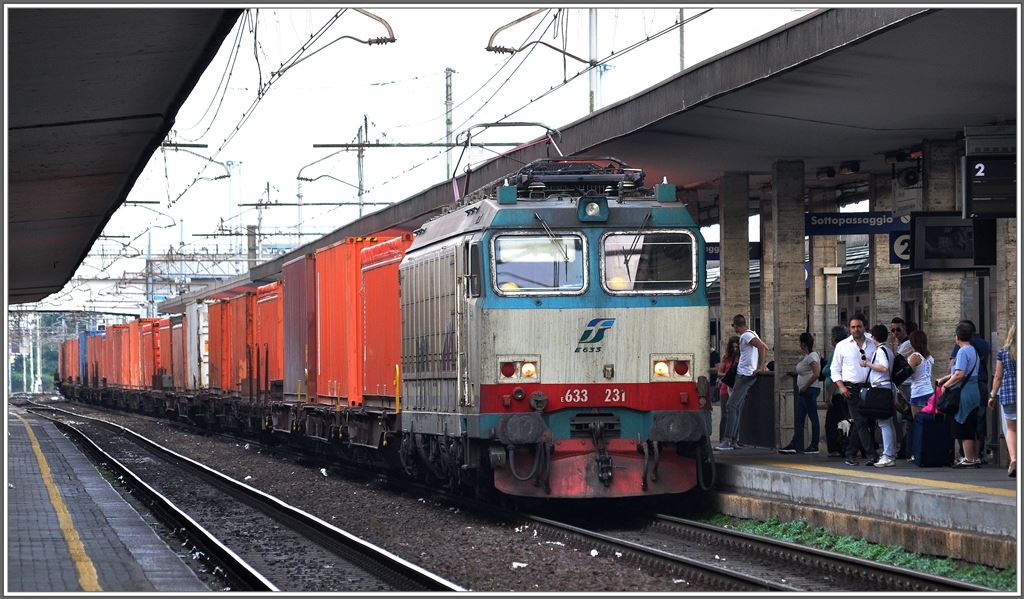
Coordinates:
(376, 557)
(237, 570)
(891, 577)
(697, 571)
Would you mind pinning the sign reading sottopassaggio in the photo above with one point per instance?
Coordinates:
(854, 223)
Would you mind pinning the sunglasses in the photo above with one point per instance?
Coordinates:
(863, 356)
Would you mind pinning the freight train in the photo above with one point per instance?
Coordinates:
(546, 340)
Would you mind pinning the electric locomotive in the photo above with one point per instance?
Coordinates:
(554, 337)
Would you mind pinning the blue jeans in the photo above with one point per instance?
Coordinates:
(735, 407)
(806, 406)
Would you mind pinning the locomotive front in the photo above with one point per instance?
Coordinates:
(580, 337)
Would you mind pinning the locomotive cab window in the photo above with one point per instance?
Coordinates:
(648, 262)
(538, 264)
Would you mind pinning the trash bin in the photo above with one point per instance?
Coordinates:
(757, 424)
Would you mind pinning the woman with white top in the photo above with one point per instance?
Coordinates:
(921, 389)
(806, 404)
(879, 377)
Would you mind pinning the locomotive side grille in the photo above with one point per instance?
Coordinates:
(584, 425)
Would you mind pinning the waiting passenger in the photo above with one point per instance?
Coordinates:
(806, 404)
(850, 372)
(732, 355)
(921, 388)
(881, 366)
(837, 410)
(964, 373)
(753, 353)
(1004, 391)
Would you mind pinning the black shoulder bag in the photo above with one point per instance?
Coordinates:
(949, 402)
(877, 402)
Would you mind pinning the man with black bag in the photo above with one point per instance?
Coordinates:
(851, 376)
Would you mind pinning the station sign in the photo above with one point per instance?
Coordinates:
(899, 248)
(989, 186)
(854, 223)
(713, 250)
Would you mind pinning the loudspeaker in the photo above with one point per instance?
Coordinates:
(908, 177)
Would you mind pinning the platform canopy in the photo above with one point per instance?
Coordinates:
(91, 94)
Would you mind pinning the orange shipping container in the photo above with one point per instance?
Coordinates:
(163, 328)
(299, 313)
(116, 369)
(94, 345)
(150, 353)
(340, 322)
(382, 318)
(218, 345)
(179, 353)
(268, 335)
(241, 354)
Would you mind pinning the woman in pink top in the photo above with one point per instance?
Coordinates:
(732, 354)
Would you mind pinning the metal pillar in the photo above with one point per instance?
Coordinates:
(448, 121)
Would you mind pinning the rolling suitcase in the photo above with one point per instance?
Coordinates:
(933, 443)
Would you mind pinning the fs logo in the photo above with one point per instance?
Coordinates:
(594, 333)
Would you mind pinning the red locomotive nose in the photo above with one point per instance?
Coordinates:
(682, 367)
(508, 369)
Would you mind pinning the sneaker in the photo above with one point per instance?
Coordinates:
(812, 450)
(788, 449)
(871, 461)
(965, 463)
(852, 462)
(724, 446)
(884, 462)
(738, 445)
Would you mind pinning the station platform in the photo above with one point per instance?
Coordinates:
(969, 514)
(68, 530)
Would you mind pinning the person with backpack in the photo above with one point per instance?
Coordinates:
(879, 378)
(753, 354)
(732, 356)
(805, 406)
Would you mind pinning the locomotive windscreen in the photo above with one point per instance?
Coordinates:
(539, 263)
(649, 262)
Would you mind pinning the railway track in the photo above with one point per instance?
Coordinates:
(736, 561)
(257, 541)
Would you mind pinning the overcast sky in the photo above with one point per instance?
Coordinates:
(400, 87)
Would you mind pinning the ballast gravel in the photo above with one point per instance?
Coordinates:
(471, 550)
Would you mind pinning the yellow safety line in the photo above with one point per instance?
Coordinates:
(909, 480)
(86, 571)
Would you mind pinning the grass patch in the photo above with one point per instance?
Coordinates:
(801, 533)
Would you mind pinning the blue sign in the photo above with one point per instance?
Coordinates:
(899, 248)
(854, 223)
(713, 250)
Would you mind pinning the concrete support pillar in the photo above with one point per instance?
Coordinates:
(767, 288)
(735, 275)
(790, 293)
(1005, 280)
(940, 289)
(824, 304)
(884, 292)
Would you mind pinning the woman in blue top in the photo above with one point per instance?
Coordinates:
(964, 373)
(1004, 391)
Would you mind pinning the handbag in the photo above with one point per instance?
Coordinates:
(876, 402)
(730, 377)
(949, 402)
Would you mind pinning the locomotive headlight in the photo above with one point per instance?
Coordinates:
(593, 209)
(661, 368)
(528, 370)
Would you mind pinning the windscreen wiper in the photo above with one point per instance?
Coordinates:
(551, 236)
(636, 240)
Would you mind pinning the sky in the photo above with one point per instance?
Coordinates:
(288, 78)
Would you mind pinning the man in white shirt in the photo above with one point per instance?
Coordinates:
(850, 372)
(753, 353)
(899, 338)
